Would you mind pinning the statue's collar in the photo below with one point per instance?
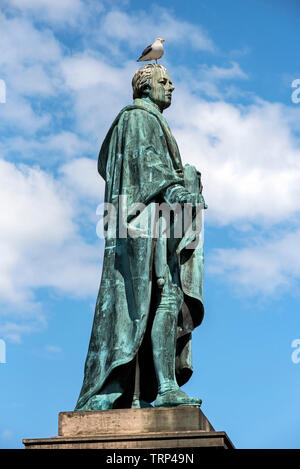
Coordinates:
(147, 105)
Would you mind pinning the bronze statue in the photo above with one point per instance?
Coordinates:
(150, 296)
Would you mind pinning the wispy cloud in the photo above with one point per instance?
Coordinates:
(50, 10)
(265, 267)
(54, 148)
(216, 73)
(14, 330)
(53, 349)
(134, 28)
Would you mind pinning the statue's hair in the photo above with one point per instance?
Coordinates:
(142, 78)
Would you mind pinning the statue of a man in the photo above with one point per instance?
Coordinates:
(150, 296)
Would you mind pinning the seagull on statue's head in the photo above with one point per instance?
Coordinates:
(153, 52)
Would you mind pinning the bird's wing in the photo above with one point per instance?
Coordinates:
(147, 50)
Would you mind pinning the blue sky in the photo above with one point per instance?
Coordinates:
(67, 66)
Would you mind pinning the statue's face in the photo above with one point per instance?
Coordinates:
(161, 88)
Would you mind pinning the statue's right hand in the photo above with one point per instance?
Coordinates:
(178, 194)
(193, 199)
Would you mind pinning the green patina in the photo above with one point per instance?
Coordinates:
(150, 296)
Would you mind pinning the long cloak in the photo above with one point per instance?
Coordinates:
(139, 159)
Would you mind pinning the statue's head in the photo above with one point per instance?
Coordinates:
(152, 81)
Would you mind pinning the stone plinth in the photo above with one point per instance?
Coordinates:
(173, 427)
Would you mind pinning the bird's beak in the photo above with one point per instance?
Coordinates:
(162, 40)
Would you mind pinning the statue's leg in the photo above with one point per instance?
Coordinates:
(163, 338)
(137, 402)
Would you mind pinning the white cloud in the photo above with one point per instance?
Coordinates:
(214, 82)
(82, 176)
(27, 324)
(83, 71)
(100, 91)
(265, 267)
(31, 200)
(53, 349)
(73, 269)
(31, 80)
(52, 10)
(40, 245)
(22, 42)
(55, 148)
(67, 145)
(222, 73)
(17, 115)
(134, 28)
(29, 63)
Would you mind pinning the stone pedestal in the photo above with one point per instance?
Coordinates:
(161, 428)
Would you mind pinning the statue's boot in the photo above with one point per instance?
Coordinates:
(174, 398)
(164, 337)
(140, 404)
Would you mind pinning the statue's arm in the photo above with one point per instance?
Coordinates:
(178, 194)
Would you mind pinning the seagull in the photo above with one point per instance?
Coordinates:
(153, 52)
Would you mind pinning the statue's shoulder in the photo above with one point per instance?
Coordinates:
(137, 116)
(133, 119)
(136, 109)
